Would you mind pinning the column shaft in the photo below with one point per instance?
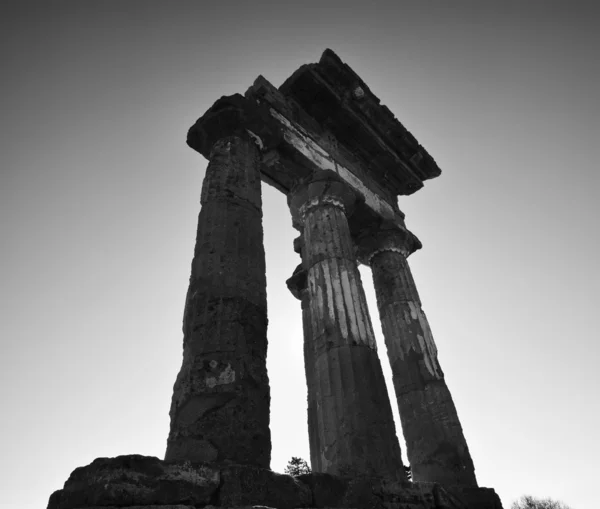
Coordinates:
(351, 426)
(298, 286)
(436, 446)
(220, 406)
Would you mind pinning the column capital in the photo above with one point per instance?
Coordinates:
(386, 236)
(234, 115)
(319, 189)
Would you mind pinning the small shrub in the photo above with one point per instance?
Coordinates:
(297, 466)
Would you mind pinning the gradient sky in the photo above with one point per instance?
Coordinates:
(99, 197)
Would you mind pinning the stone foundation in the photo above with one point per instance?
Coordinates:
(146, 482)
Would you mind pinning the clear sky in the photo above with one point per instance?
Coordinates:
(99, 197)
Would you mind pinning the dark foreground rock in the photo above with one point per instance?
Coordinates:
(144, 482)
(137, 480)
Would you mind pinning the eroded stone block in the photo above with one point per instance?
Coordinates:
(137, 480)
(245, 485)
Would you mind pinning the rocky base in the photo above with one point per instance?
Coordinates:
(145, 482)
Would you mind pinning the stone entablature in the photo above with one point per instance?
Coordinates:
(342, 105)
(355, 137)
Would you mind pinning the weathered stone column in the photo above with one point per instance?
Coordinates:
(351, 427)
(436, 447)
(220, 406)
(297, 285)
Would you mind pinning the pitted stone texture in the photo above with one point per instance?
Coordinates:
(333, 491)
(321, 189)
(222, 397)
(297, 284)
(340, 492)
(224, 324)
(475, 498)
(351, 428)
(244, 485)
(327, 236)
(400, 285)
(178, 506)
(349, 414)
(143, 482)
(436, 446)
(229, 259)
(136, 480)
(234, 115)
(338, 306)
(387, 236)
(240, 185)
(416, 341)
(239, 507)
(220, 406)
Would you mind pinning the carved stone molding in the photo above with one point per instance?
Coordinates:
(385, 237)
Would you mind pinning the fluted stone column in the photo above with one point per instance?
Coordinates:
(220, 406)
(436, 446)
(351, 427)
(297, 285)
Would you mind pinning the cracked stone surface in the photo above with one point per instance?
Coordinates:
(136, 480)
(145, 482)
(220, 406)
(436, 447)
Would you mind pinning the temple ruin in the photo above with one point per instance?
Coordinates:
(342, 159)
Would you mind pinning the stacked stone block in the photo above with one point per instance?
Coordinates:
(436, 446)
(220, 407)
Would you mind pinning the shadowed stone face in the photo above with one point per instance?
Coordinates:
(143, 482)
(436, 447)
(220, 407)
(351, 428)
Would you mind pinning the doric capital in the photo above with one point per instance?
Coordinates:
(386, 237)
(234, 115)
(320, 189)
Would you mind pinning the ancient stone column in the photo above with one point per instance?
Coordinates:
(436, 446)
(351, 427)
(220, 407)
(297, 285)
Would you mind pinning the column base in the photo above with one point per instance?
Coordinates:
(146, 482)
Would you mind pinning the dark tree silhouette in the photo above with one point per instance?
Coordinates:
(529, 502)
(297, 466)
